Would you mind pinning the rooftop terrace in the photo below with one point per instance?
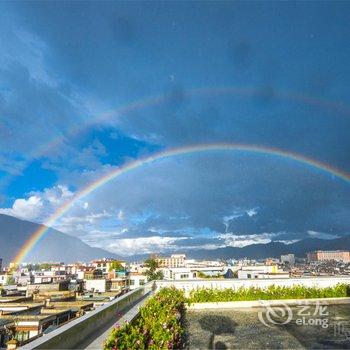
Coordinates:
(242, 329)
(221, 328)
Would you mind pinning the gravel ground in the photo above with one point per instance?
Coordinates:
(327, 328)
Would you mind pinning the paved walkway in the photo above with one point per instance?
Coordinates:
(129, 316)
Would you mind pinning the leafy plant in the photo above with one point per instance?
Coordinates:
(116, 266)
(157, 327)
(10, 280)
(152, 273)
(273, 292)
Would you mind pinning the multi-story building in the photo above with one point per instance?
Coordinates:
(106, 265)
(136, 267)
(93, 274)
(119, 280)
(175, 260)
(0, 264)
(338, 255)
(288, 258)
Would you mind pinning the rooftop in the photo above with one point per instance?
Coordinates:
(229, 329)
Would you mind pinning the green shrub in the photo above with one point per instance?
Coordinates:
(272, 292)
(157, 327)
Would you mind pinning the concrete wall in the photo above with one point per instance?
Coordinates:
(88, 327)
(79, 331)
(264, 303)
(188, 285)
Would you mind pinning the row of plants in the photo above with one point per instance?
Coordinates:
(270, 293)
(159, 325)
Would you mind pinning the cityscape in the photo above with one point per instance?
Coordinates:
(38, 298)
(174, 175)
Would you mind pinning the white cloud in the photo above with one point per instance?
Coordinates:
(288, 241)
(237, 214)
(87, 219)
(322, 235)
(129, 246)
(251, 212)
(240, 241)
(121, 215)
(28, 209)
(38, 206)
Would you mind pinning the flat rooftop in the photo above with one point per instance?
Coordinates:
(13, 299)
(5, 321)
(242, 329)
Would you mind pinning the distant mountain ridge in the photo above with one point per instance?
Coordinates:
(260, 251)
(58, 246)
(53, 246)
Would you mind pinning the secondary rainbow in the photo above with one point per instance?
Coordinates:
(199, 148)
(152, 101)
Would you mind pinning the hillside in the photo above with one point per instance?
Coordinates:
(54, 246)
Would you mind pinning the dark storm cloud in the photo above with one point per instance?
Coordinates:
(32, 112)
(240, 53)
(267, 117)
(292, 83)
(123, 30)
(137, 233)
(259, 197)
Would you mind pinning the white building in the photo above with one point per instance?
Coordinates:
(179, 273)
(105, 265)
(98, 285)
(136, 280)
(204, 263)
(3, 278)
(138, 268)
(262, 271)
(175, 260)
(288, 258)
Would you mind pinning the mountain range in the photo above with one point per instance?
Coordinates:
(273, 249)
(58, 246)
(53, 246)
(267, 250)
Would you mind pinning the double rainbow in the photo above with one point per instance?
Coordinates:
(338, 107)
(200, 148)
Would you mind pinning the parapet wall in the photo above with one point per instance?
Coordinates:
(83, 330)
(188, 285)
(78, 332)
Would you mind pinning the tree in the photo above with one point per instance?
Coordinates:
(10, 280)
(116, 266)
(152, 273)
(45, 266)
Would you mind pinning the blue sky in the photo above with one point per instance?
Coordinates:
(86, 87)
